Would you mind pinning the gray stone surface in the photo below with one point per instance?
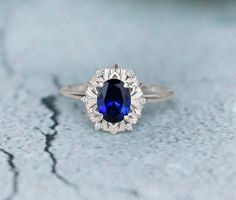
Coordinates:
(181, 150)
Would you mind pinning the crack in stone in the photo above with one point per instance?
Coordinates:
(49, 102)
(14, 171)
(3, 54)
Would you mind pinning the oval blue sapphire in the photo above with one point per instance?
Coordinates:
(113, 101)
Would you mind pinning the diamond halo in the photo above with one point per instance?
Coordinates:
(137, 100)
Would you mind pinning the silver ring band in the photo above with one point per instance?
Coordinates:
(152, 93)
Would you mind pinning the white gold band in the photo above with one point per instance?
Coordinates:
(152, 93)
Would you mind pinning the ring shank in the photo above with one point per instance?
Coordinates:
(152, 93)
(156, 93)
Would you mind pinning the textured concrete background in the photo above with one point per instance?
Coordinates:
(181, 150)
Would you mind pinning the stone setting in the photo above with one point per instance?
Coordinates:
(114, 101)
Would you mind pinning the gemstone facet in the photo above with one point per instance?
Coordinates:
(113, 101)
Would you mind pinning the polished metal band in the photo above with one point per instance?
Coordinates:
(152, 93)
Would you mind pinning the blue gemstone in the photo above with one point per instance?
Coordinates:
(113, 101)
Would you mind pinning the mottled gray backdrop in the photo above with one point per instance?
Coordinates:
(181, 150)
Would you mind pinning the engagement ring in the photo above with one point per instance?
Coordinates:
(114, 98)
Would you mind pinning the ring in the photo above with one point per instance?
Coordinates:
(115, 98)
